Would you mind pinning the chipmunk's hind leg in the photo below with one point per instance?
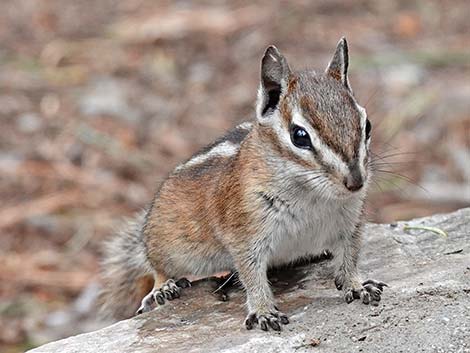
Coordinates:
(163, 289)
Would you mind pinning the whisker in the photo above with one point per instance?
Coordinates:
(377, 185)
(402, 177)
(391, 163)
(372, 96)
(389, 155)
(391, 182)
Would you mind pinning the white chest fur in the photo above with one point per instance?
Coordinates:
(310, 227)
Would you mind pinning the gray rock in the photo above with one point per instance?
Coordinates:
(425, 309)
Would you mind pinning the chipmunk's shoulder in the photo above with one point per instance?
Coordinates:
(216, 154)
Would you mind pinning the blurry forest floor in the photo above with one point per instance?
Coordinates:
(100, 99)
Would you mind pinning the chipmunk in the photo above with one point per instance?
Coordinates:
(289, 185)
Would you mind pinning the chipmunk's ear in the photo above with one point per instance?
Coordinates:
(274, 75)
(338, 66)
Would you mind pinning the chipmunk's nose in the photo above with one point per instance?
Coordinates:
(354, 181)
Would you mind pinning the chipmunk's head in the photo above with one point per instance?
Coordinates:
(315, 123)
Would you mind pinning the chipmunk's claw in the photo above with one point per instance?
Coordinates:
(183, 283)
(169, 291)
(159, 297)
(369, 293)
(378, 284)
(272, 320)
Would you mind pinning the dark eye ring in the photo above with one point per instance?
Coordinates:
(368, 129)
(300, 138)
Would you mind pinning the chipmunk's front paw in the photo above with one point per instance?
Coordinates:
(272, 319)
(369, 292)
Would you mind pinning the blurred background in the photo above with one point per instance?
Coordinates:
(99, 100)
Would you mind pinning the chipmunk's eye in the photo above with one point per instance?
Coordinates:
(368, 129)
(300, 137)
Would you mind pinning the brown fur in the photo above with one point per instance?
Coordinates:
(188, 216)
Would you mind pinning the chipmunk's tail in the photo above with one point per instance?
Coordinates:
(126, 274)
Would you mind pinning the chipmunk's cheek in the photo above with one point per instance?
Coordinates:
(335, 177)
(316, 166)
(337, 185)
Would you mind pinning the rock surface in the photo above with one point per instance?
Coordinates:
(425, 309)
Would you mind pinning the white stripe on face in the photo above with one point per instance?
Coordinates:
(363, 144)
